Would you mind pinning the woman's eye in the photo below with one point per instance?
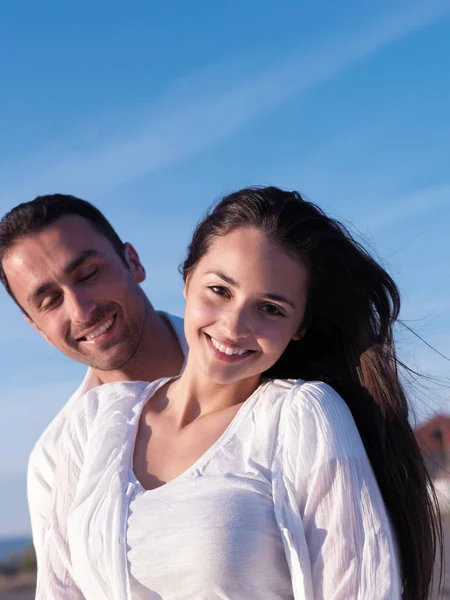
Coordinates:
(272, 310)
(219, 290)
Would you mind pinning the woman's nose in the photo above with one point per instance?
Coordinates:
(237, 324)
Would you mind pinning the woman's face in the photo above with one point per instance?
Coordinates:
(245, 302)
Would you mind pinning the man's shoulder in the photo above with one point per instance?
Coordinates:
(46, 447)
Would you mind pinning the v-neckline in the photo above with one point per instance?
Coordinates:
(204, 458)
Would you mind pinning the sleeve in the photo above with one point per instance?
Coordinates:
(343, 519)
(40, 474)
(53, 472)
(42, 465)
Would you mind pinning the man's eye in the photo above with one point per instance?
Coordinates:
(50, 301)
(272, 310)
(88, 275)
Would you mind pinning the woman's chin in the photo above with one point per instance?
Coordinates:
(219, 375)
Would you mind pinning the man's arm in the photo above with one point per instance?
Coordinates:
(42, 465)
(40, 479)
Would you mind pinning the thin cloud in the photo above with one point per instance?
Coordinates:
(406, 206)
(197, 124)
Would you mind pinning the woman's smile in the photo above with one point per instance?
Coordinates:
(227, 352)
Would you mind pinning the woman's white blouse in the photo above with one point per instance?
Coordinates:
(212, 531)
(290, 474)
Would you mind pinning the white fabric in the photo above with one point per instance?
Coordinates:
(216, 521)
(43, 458)
(328, 509)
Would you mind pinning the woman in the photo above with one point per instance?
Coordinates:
(280, 464)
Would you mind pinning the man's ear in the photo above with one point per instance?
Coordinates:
(134, 262)
(36, 328)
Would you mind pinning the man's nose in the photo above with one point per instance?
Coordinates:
(79, 305)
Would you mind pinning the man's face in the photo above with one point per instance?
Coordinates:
(78, 292)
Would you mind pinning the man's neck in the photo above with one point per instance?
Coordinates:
(159, 353)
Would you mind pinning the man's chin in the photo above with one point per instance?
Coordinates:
(112, 362)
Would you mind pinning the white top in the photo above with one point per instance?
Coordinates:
(328, 509)
(212, 531)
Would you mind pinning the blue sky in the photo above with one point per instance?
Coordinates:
(154, 110)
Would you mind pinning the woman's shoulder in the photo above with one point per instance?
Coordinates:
(297, 402)
(315, 415)
(272, 397)
(299, 396)
(317, 400)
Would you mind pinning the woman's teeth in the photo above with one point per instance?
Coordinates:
(225, 349)
(100, 330)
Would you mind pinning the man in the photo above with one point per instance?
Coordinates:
(78, 285)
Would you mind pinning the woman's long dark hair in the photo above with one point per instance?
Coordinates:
(352, 306)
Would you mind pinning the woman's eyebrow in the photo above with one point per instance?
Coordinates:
(269, 296)
(279, 298)
(224, 277)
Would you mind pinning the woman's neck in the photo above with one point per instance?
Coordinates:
(193, 395)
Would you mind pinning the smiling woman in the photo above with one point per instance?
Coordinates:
(243, 312)
(260, 472)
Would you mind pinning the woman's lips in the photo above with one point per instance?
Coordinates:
(226, 353)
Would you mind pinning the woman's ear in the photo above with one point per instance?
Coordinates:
(186, 286)
(298, 336)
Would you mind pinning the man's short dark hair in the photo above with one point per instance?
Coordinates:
(32, 217)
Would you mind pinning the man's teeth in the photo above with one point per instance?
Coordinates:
(225, 349)
(100, 330)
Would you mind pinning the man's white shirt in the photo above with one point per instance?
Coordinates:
(42, 461)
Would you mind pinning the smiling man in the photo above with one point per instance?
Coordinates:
(77, 284)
